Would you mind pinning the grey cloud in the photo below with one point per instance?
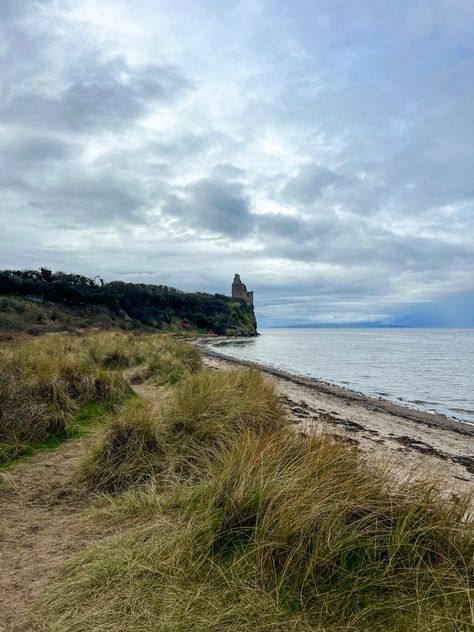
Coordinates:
(214, 205)
(88, 199)
(100, 96)
(295, 229)
(36, 148)
(309, 184)
(228, 171)
(30, 159)
(184, 145)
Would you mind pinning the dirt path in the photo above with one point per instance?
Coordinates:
(40, 503)
(41, 506)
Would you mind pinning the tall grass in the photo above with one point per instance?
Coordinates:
(209, 410)
(169, 362)
(258, 528)
(129, 453)
(333, 538)
(204, 412)
(45, 380)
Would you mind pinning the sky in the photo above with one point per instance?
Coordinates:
(323, 149)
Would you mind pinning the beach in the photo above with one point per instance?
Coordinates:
(414, 444)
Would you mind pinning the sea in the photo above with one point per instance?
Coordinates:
(427, 369)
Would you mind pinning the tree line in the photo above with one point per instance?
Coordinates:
(150, 305)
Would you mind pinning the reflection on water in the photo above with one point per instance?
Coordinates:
(429, 369)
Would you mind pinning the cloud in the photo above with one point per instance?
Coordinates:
(309, 184)
(99, 96)
(213, 205)
(326, 154)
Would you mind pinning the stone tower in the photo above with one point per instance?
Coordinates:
(239, 290)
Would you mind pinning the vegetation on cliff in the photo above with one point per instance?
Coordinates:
(42, 300)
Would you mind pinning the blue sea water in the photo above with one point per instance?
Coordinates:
(427, 369)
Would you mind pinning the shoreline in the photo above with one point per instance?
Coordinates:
(416, 443)
(377, 404)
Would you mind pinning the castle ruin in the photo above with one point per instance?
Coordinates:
(239, 290)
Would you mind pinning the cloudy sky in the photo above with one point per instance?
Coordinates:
(323, 149)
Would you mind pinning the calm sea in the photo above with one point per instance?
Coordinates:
(428, 369)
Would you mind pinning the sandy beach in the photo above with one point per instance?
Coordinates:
(414, 443)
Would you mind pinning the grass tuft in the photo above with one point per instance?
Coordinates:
(327, 531)
(210, 409)
(130, 452)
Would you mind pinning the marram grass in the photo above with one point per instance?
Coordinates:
(202, 414)
(234, 522)
(45, 380)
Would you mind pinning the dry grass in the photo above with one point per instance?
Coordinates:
(267, 530)
(330, 535)
(45, 380)
(201, 414)
(209, 410)
(130, 452)
(168, 362)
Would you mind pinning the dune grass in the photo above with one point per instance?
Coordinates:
(202, 414)
(234, 522)
(45, 381)
(129, 453)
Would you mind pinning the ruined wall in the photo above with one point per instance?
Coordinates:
(239, 290)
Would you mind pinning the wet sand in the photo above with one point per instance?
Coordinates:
(414, 443)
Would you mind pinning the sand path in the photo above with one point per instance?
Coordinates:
(40, 503)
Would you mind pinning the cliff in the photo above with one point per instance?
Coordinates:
(41, 300)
